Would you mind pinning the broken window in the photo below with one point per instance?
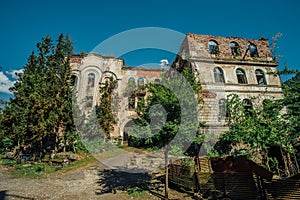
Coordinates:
(247, 106)
(141, 82)
(219, 75)
(131, 82)
(74, 80)
(253, 50)
(241, 76)
(235, 49)
(91, 80)
(222, 108)
(213, 47)
(131, 102)
(131, 86)
(260, 77)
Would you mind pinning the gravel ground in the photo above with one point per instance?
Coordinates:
(101, 180)
(79, 184)
(97, 181)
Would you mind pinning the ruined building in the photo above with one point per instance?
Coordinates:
(223, 65)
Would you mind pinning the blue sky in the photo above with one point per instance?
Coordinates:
(24, 23)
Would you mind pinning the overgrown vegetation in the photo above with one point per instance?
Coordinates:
(268, 132)
(107, 109)
(39, 170)
(38, 119)
(168, 117)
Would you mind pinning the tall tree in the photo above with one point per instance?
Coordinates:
(107, 108)
(40, 114)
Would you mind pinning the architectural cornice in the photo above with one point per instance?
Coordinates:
(232, 61)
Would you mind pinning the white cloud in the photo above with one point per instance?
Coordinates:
(14, 72)
(5, 83)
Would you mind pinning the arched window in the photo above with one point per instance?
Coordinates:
(156, 80)
(235, 48)
(131, 82)
(131, 86)
(74, 81)
(141, 82)
(219, 75)
(241, 76)
(247, 106)
(213, 47)
(91, 80)
(222, 108)
(260, 77)
(253, 50)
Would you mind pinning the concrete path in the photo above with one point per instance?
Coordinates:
(118, 161)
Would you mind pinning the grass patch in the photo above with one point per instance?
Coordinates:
(136, 192)
(39, 170)
(42, 169)
(4, 161)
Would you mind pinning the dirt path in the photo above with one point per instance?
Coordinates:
(97, 181)
(79, 184)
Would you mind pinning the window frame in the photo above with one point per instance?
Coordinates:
(141, 82)
(253, 51)
(260, 76)
(91, 80)
(74, 81)
(213, 47)
(235, 48)
(243, 79)
(219, 75)
(248, 106)
(222, 108)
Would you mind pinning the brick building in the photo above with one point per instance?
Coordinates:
(224, 65)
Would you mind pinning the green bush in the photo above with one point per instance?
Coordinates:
(6, 143)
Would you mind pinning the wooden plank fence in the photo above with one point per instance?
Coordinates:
(233, 185)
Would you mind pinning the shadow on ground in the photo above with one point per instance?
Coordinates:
(4, 195)
(122, 179)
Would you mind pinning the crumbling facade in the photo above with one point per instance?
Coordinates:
(223, 65)
(91, 70)
(226, 65)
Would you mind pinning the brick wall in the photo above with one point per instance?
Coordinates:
(198, 47)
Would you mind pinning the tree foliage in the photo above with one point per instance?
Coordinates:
(40, 114)
(291, 89)
(263, 133)
(166, 112)
(168, 117)
(107, 108)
